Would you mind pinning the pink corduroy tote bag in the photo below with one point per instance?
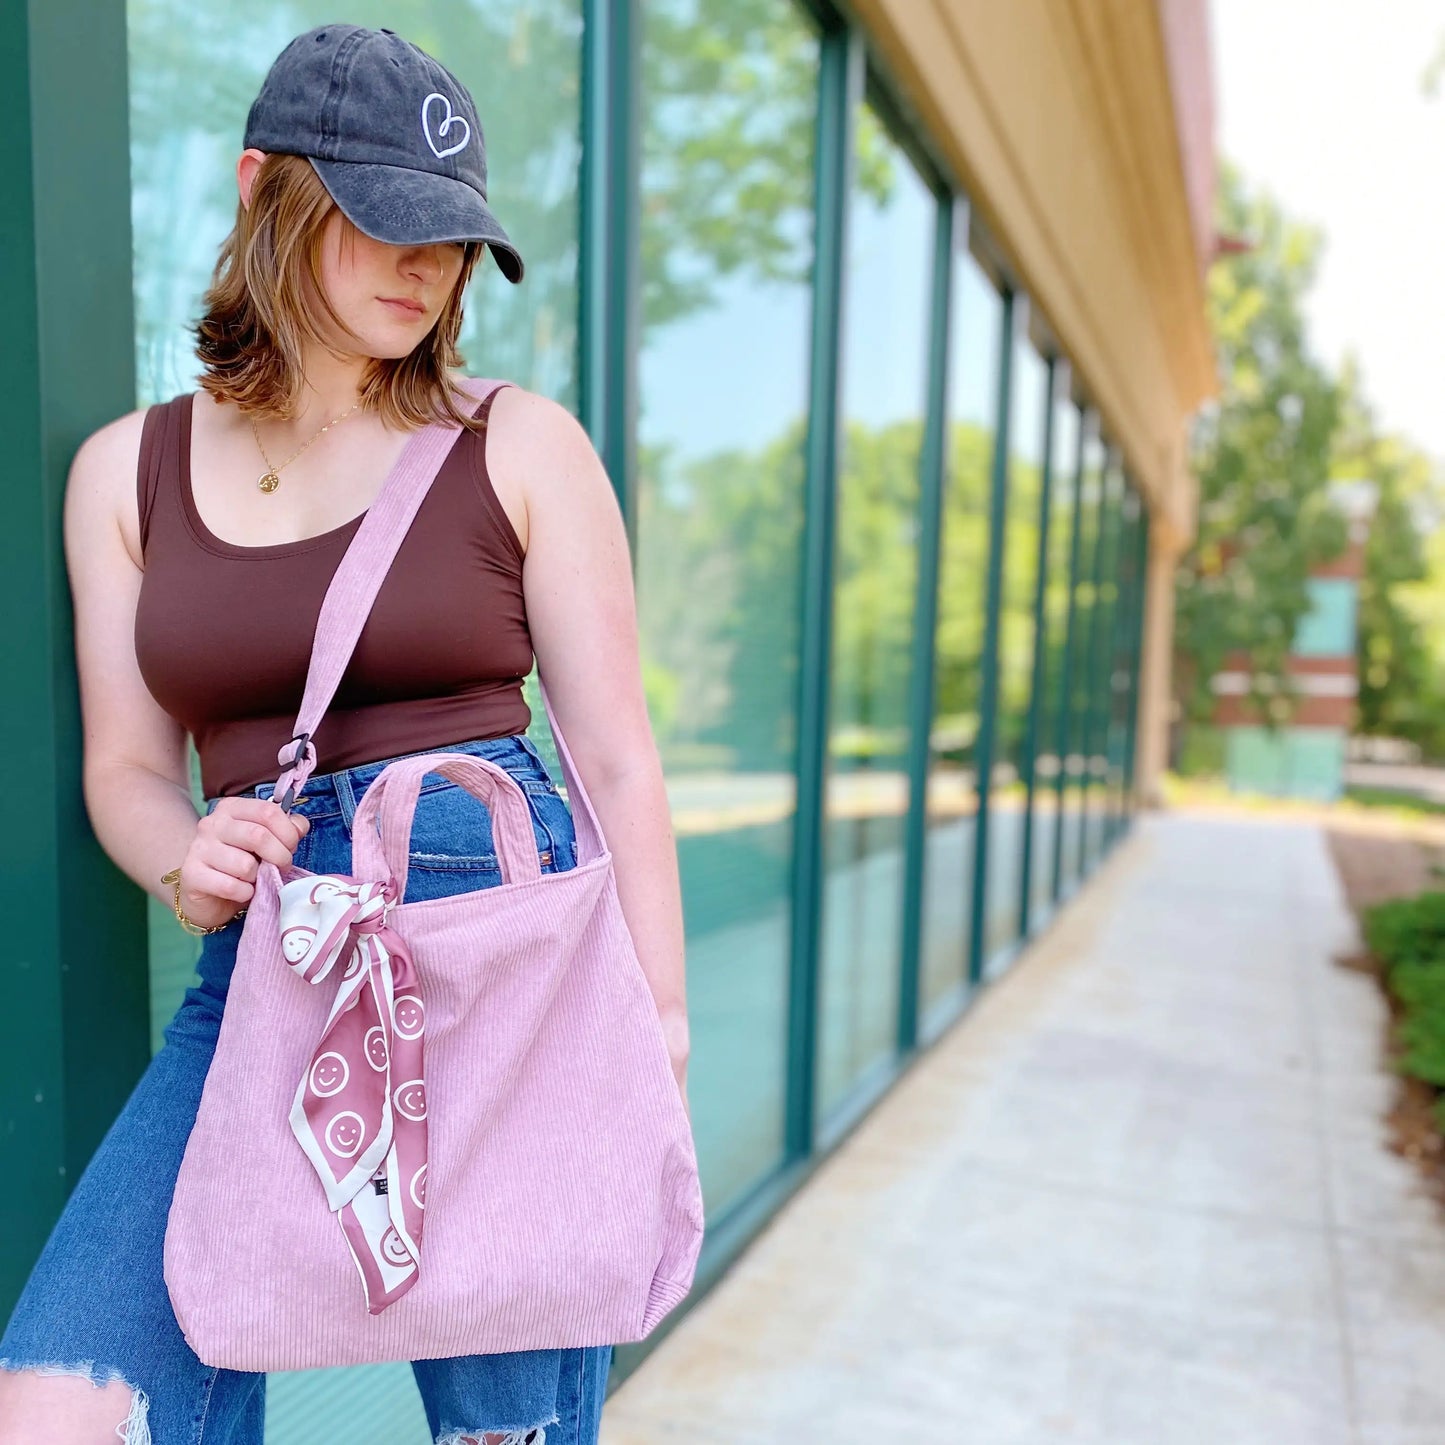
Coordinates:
(438, 1128)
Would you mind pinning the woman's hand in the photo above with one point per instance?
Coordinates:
(218, 873)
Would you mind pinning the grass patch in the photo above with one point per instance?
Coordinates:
(1395, 800)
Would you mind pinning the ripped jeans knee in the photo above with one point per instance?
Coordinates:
(536, 1435)
(133, 1429)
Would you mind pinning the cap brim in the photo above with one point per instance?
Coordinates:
(407, 207)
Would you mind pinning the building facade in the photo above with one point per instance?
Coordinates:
(1300, 751)
(888, 322)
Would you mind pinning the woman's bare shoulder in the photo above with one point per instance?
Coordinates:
(536, 440)
(543, 465)
(101, 488)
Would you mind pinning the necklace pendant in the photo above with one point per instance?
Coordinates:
(268, 481)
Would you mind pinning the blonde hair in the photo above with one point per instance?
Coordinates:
(260, 305)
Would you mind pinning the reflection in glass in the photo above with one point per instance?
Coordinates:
(952, 796)
(1003, 879)
(875, 568)
(728, 96)
(1052, 724)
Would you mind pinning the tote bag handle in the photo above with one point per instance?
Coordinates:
(391, 802)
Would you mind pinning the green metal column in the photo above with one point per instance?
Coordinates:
(1118, 663)
(77, 1034)
(1064, 737)
(1101, 621)
(988, 664)
(840, 91)
(1085, 715)
(608, 332)
(1037, 683)
(932, 472)
(1141, 592)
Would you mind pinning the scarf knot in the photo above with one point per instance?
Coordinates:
(359, 1111)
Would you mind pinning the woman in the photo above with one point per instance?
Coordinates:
(200, 537)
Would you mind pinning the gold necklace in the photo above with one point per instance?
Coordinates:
(269, 480)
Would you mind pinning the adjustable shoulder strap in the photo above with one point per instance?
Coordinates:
(588, 829)
(357, 581)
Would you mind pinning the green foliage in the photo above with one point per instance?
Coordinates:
(1401, 653)
(963, 563)
(1424, 601)
(1407, 935)
(1394, 800)
(727, 583)
(1283, 429)
(1407, 930)
(1263, 462)
(1202, 753)
(875, 587)
(1420, 987)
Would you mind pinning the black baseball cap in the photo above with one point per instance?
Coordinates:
(392, 133)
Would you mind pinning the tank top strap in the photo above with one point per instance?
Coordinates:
(159, 460)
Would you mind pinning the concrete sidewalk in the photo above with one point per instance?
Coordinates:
(1139, 1195)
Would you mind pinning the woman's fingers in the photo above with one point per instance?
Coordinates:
(258, 825)
(230, 843)
(212, 883)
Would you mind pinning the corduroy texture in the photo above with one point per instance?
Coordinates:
(563, 1206)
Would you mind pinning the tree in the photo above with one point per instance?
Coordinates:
(1263, 461)
(1401, 690)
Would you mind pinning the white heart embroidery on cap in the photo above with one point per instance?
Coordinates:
(451, 120)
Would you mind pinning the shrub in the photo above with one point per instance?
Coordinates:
(1407, 935)
(1420, 987)
(1407, 930)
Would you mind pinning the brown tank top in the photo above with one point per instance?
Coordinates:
(223, 632)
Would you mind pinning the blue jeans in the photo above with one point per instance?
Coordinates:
(96, 1302)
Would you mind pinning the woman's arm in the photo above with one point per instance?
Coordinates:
(134, 759)
(577, 581)
(136, 789)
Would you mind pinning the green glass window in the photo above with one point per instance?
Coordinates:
(1051, 729)
(875, 571)
(1003, 878)
(1328, 628)
(952, 796)
(729, 97)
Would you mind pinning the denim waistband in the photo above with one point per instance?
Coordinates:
(328, 794)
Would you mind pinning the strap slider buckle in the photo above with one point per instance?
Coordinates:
(290, 797)
(301, 740)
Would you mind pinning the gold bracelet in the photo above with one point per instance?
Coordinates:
(174, 876)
